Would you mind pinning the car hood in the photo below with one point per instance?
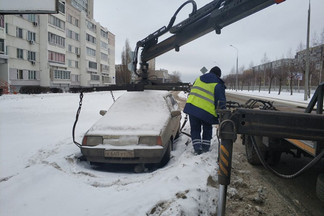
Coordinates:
(134, 113)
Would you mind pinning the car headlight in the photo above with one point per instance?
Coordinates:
(150, 140)
(91, 140)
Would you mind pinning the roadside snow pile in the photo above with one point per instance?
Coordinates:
(284, 95)
(40, 170)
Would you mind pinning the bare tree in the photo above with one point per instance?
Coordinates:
(300, 47)
(270, 74)
(315, 39)
(322, 37)
(248, 77)
(281, 74)
(264, 61)
(124, 74)
(230, 81)
(175, 77)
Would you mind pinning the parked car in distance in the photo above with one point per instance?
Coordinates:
(139, 128)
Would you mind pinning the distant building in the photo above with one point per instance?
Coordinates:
(68, 49)
(316, 55)
(161, 76)
(274, 64)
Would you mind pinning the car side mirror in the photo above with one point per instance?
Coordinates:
(102, 112)
(175, 113)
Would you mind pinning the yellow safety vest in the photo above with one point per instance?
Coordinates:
(202, 96)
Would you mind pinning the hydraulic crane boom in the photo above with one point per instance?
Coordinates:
(212, 17)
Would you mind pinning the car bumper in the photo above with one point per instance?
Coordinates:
(122, 155)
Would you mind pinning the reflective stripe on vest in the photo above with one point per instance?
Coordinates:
(202, 96)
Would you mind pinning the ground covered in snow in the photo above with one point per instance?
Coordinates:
(40, 173)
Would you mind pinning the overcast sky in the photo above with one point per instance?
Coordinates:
(277, 31)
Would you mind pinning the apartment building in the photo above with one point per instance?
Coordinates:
(68, 49)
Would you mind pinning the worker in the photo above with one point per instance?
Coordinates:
(206, 95)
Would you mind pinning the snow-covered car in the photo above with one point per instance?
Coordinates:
(139, 128)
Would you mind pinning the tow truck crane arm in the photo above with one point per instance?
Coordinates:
(212, 17)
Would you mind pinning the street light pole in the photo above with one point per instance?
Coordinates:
(306, 91)
(236, 78)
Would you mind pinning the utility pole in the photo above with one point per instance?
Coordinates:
(236, 78)
(307, 55)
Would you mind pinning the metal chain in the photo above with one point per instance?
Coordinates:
(76, 120)
(112, 95)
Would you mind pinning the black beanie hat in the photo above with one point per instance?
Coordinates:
(216, 70)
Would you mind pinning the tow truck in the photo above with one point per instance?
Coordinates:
(262, 126)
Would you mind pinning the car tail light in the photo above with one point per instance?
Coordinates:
(150, 140)
(91, 140)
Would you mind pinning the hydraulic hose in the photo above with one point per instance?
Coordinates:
(301, 171)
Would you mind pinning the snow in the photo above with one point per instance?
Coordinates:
(284, 96)
(40, 173)
(135, 113)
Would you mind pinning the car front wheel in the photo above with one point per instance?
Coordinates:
(167, 155)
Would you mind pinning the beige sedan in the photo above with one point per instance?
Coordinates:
(139, 128)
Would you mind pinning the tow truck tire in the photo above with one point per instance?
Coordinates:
(251, 154)
(320, 187)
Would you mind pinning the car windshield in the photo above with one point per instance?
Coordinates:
(134, 113)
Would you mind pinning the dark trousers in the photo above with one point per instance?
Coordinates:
(200, 143)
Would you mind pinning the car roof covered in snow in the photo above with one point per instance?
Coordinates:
(134, 113)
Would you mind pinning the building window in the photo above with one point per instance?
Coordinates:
(77, 51)
(104, 68)
(2, 46)
(103, 33)
(75, 78)
(104, 45)
(95, 77)
(70, 48)
(19, 32)
(105, 79)
(76, 37)
(56, 40)
(92, 27)
(61, 7)
(76, 64)
(62, 74)
(31, 56)
(2, 22)
(76, 22)
(31, 36)
(93, 65)
(104, 57)
(69, 18)
(90, 38)
(20, 53)
(56, 57)
(32, 18)
(91, 52)
(81, 5)
(71, 34)
(56, 22)
(20, 74)
(32, 75)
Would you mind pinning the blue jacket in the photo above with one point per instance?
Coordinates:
(219, 98)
